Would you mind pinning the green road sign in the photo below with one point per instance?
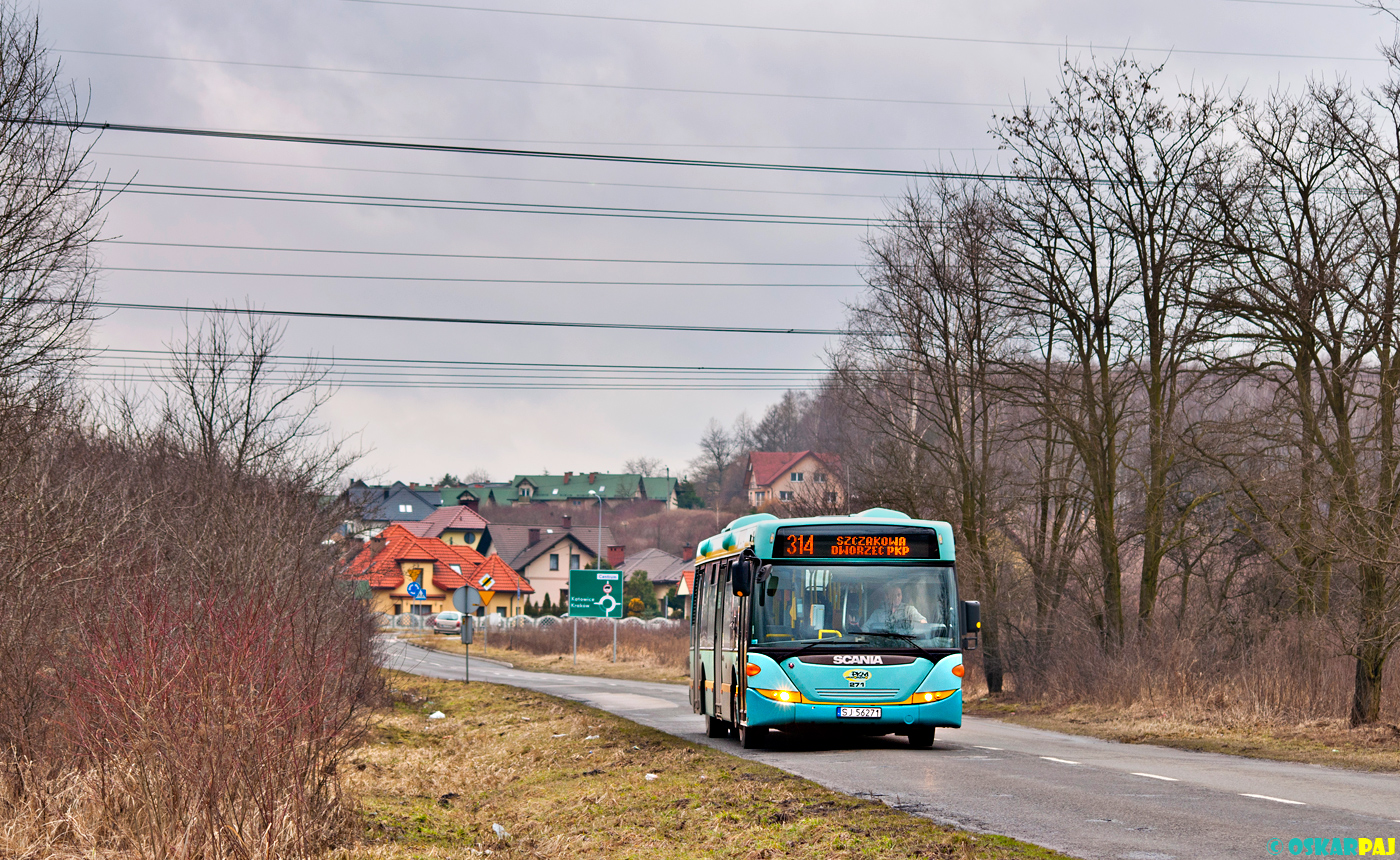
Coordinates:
(595, 594)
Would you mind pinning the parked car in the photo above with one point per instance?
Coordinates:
(448, 621)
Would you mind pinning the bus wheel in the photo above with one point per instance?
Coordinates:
(921, 739)
(716, 728)
(753, 737)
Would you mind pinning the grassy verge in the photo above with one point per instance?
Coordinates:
(564, 780)
(597, 664)
(1328, 742)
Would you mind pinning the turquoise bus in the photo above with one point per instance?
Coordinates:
(846, 624)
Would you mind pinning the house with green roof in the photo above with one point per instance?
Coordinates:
(577, 489)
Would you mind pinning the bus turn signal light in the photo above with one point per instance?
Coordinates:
(959, 670)
(752, 669)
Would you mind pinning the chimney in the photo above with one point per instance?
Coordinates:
(616, 555)
(688, 552)
(534, 537)
(472, 503)
(413, 485)
(568, 521)
(567, 476)
(592, 476)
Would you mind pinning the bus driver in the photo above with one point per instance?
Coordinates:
(894, 615)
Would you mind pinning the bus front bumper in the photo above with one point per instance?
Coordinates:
(762, 712)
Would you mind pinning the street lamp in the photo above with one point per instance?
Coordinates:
(598, 559)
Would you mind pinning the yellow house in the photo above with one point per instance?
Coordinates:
(456, 525)
(407, 574)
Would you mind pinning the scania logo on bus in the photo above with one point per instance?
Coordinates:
(858, 659)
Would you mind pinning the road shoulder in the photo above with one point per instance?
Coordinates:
(560, 779)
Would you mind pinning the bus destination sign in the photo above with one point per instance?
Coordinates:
(823, 543)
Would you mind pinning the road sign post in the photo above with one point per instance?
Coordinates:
(595, 594)
(466, 600)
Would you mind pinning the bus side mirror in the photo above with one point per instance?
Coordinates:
(971, 624)
(741, 577)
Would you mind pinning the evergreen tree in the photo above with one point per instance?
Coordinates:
(639, 587)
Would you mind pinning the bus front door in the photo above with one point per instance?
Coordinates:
(726, 647)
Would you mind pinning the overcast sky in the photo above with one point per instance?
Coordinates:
(559, 79)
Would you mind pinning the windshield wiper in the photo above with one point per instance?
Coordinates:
(907, 638)
(834, 640)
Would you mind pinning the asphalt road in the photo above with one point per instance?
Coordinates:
(1083, 796)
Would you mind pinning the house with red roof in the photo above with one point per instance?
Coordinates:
(454, 525)
(396, 560)
(807, 477)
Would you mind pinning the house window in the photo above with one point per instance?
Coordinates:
(405, 509)
(796, 477)
(574, 562)
(554, 561)
(564, 598)
(819, 477)
(785, 495)
(831, 498)
(421, 609)
(398, 608)
(577, 502)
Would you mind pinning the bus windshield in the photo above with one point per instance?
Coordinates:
(866, 606)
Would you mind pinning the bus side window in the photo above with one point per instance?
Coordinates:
(705, 601)
(729, 619)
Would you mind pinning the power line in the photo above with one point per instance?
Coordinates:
(655, 145)
(292, 371)
(471, 256)
(436, 175)
(521, 153)
(1297, 3)
(487, 386)
(548, 365)
(464, 320)
(414, 278)
(491, 80)
(442, 204)
(863, 34)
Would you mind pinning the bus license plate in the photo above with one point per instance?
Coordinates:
(859, 713)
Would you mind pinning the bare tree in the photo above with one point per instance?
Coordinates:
(919, 363)
(1071, 277)
(50, 215)
(1108, 251)
(647, 467)
(232, 400)
(714, 466)
(1317, 299)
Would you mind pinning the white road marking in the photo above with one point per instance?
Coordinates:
(998, 749)
(1274, 799)
(1060, 760)
(1155, 776)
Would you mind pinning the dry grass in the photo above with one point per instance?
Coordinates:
(595, 664)
(567, 781)
(643, 654)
